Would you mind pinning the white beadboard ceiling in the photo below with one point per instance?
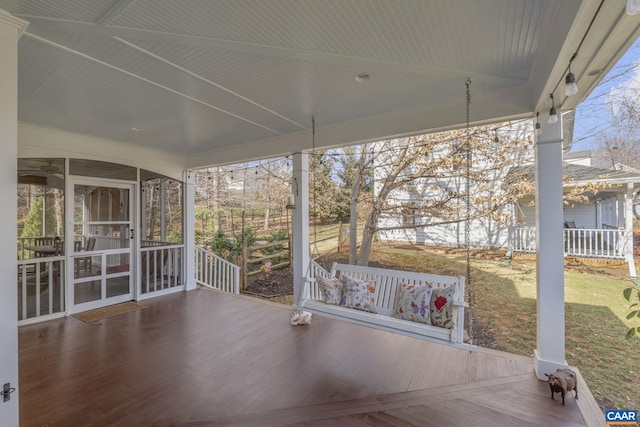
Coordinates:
(231, 80)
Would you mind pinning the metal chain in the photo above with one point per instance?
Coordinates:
(313, 186)
(467, 227)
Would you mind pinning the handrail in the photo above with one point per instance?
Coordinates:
(161, 267)
(606, 243)
(215, 272)
(41, 287)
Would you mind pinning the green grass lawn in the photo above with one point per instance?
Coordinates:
(504, 304)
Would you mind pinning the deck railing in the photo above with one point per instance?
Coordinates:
(161, 267)
(215, 272)
(606, 243)
(41, 287)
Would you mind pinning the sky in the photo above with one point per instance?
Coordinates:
(591, 115)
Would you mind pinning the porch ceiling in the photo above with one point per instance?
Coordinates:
(224, 81)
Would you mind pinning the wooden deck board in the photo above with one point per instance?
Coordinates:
(205, 358)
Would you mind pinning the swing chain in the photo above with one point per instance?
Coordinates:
(313, 186)
(467, 228)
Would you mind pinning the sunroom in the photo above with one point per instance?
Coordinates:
(155, 89)
(98, 261)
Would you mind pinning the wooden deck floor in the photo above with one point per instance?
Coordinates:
(204, 358)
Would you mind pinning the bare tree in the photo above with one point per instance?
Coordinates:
(420, 179)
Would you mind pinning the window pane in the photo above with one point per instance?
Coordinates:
(99, 237)
(100, 204)
(40, 204)
(87, 291)
(161, 221)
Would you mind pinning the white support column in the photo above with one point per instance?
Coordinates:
(189, 231)
(550, 352)
(628, 228)
(620, 210)
(10, 30)
(300, 222)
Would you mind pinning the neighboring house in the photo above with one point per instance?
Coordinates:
(595, 221)
(448, 229)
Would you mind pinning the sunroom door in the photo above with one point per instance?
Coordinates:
(102, 243)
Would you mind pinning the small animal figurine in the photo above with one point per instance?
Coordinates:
(562, 381)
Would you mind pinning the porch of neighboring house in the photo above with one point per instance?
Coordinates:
(605, 243)
(601, 227)
(206, 357)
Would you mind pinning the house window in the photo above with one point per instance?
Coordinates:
(408, 216)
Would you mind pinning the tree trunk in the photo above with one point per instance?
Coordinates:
(266, 218)
(367, 237)
(217, 219)
(59, 212)
(353, 212)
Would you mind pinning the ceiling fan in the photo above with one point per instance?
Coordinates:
(37, 175)
(49, 168)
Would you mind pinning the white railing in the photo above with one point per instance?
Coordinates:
(523, 239)
(579, 242)
(215, 272)
(151, 243)
(41, 287)
(315, 271)
(161, 267)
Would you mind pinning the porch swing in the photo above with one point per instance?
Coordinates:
(426, 306)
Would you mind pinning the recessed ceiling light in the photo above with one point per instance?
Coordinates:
(362, 77)
(136, 129)
(595, 72)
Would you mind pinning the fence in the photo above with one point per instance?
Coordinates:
(278, 251)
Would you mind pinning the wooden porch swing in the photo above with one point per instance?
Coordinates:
(430, 307)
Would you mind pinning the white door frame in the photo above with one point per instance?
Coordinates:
(132, 186)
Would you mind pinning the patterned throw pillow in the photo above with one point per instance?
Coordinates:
(442, 306)
(358, 294)
(332, 290)
(413, 302)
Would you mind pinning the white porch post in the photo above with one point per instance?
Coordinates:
(300, 221)
(628, 228)
(550, 352)
(10, 30)
(189, 231)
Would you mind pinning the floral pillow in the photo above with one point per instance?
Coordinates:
(442, 306)
(332, 290)
(413, 302)
(358, 294)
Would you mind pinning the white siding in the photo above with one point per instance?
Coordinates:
(484, 234)
(584, 216)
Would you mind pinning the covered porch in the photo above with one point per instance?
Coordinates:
(170, 86)
(208, 358)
